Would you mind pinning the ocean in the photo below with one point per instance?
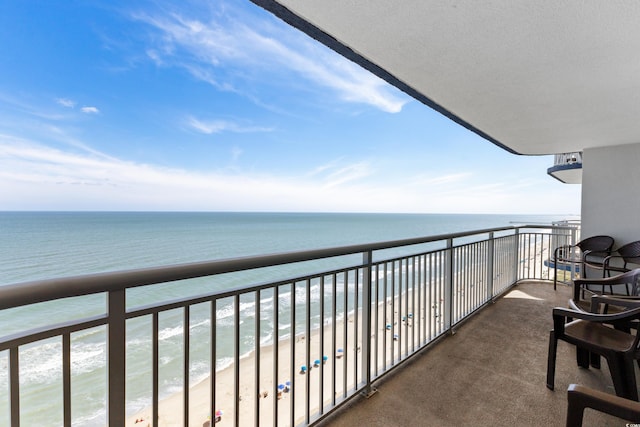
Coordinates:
(43, 245)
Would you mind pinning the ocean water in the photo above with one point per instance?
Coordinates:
(42, 245)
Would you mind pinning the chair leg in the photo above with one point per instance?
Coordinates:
(630, 377)
(595, 361)
(551, 360)
(623, 376)
(582, 357)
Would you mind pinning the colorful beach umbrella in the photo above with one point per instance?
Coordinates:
(219, 413)
(280, 386)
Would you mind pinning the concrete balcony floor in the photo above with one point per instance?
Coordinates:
(491, 372)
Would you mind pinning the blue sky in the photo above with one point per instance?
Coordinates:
(219, 106)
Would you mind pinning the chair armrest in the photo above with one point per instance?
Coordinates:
(606, 281)
(561, 312)
(630, 302)
(581, 397)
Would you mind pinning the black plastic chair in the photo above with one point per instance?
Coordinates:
(591, 251)
(626, 254)
(584, 289)
(581, 397)
(592, 334)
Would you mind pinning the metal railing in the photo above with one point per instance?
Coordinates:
(298, 346)
(567, 158)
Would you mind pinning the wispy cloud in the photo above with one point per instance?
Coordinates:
(336, 172)
(33, 176)
(65, 102)
(90, 110)
(225, 48)
(218, 126)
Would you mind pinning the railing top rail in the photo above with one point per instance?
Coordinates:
(19, 294)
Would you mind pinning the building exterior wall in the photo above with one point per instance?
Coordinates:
(611, 193)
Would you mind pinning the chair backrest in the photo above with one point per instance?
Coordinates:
(630, 252)
(596, 244)
(629, 278)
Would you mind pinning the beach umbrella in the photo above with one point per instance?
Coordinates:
(280, 386)
(303, 369)
(287, 386)
(388, 326)
(288, 383)
(316, 363)
(340, 350)
(219, 413)
(325, 358)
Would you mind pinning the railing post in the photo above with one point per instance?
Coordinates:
(490, 259)
(366, 323)
(116, 355)
(448, 318)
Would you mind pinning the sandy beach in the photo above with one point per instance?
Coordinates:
(265, 393)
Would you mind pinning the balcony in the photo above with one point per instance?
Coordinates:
(363, 318)
(492, 372)
(567, 168)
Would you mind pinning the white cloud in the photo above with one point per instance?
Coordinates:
(218, 126)
(65, 102)
(33, 176)
(248, 47)
(90, 110)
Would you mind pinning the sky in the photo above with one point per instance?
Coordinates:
(220, 106)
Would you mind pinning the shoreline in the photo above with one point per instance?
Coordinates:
(170, 409)
(266, 397)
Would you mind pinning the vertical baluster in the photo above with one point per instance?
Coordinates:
(491, 250)
(66, 379)
(393, 312)
(418, 316)
(307, 340)
(345, 317)
(292, 409)
(334, 349)
(276, 352)
(236, 357)
(322, 350)
(376, 321)
(155, 368)
(14, 385)
(407, 309)
(356, 338)
(256, 409)
(385, 284)
(185, 366)
(413, 305)
(401, 294)
(212, 359)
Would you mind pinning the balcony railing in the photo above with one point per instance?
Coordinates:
(302, 332)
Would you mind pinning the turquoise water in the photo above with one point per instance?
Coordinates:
(57, 244)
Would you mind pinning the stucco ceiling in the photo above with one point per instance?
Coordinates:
(536, 77)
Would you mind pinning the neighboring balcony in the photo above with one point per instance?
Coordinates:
(308, 333)
(567, 168)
